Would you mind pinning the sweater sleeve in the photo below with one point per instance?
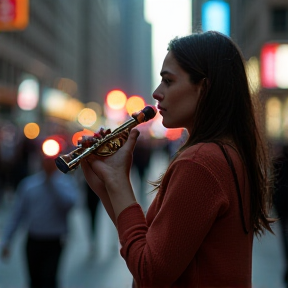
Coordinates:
(158, 255)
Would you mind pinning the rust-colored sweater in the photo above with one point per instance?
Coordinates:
(192, 235)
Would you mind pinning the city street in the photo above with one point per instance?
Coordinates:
(104, 268)
(69, 68)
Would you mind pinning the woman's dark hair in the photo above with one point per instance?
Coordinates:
(226, 109)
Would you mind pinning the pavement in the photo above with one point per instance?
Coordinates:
(98, 264)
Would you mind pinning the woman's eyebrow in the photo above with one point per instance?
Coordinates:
(162, 73)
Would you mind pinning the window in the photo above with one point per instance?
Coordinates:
(280, 19)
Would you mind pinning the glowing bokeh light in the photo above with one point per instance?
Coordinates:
(51, 147)
(273, 117)
(96, 107)
(281, 64)
(285, 119)
(87, 117)
(216, 16)
(253, 74)
(73, 108)
(274, 62)
(78, 135)
(157, 130)
(28, 94)
(174, 134)
(116, 116)
(116, 99)
(14, 15)
(134, 104)
(59, 104)
(31, 130)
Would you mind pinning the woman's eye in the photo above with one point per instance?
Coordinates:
(166, 81)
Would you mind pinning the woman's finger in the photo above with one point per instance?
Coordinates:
(91, 177)
(87, 169)
(132, 139)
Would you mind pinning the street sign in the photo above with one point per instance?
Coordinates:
(14, 14)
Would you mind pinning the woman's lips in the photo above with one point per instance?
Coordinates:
(160, 108)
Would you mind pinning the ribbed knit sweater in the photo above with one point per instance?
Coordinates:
(192, 235)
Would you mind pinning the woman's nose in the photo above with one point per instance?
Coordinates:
(157, 95)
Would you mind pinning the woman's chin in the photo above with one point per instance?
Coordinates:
(170, 125)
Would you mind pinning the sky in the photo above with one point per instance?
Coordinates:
(169, 18)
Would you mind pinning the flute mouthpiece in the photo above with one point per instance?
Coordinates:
(150, 112)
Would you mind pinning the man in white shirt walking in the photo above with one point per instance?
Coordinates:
(43, 203)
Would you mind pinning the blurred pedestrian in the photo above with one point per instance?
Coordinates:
(42, 204)
(92, 204)
(215, 195)
(141, 162)
(9, 143)
(281, 202)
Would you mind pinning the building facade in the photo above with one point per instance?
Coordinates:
(264, 37)
(76, 51)
(99, 46)
(260, 28)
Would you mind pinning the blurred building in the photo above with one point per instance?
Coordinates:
(72, 52)
(100, 46)
(262, 21)
(264, 39)
(47, 49)
(260, 28)
(118, 49)
(224, 16)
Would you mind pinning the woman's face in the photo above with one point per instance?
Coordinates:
(177, 96)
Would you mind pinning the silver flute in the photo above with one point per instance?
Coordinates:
(107, 145)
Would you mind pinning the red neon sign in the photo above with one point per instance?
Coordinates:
(274, 60)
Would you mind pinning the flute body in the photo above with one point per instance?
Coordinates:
(106, 146)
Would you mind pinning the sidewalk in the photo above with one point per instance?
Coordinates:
(268, 261)
(79, 267)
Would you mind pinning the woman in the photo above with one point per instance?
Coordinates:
(215, 195)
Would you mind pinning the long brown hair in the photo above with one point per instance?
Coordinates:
(227, 109)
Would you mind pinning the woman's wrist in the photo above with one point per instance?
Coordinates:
(117, 180)
(121, 194)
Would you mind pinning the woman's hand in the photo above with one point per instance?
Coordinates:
(115, 167)
(96, 184)
(98, 187)
(111, 176)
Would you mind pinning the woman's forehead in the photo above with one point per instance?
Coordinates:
(169, 61)
(170, 65)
